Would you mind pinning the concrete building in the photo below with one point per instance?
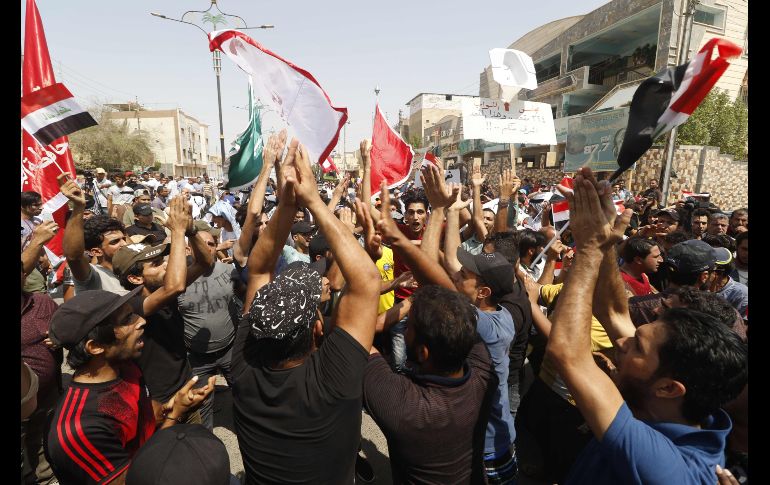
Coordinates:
(595, 62)
(179, 141)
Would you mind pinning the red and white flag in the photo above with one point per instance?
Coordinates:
(560, 212)
(288, 89)
(52, 112)
(429, 156)
(667, 99)
(619, 207)
(328, 166)
(391, 157)
(41, 164)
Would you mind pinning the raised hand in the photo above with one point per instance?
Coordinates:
(303, 182)
(179, 214)
(71, 190)
(457, 194)
(372, 240)
(592, 226)
(45, 232)
(439, 195)
(476, 178)
(346, 217)
(386, 225)
(366, 149)
(406, 280)
(342, 186)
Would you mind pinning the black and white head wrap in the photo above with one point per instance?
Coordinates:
(287, 304)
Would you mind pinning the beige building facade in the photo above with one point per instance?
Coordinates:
(179, 141)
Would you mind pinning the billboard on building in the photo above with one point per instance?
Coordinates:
(594, 139)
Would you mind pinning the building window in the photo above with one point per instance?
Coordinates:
(448, 97)
(711, 16)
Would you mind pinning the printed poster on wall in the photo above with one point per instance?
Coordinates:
(501, 122)
(595, 140)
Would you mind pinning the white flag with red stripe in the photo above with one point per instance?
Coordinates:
(290, 90)
(619, 207)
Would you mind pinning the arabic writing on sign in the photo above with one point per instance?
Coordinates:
(503, 122)
(34, 161)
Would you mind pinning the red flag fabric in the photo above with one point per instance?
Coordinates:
(619, 207)
(40, 165)
(560, 211)
(429, 156)
(328, 165)
(391, 157)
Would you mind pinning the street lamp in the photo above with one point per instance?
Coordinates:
(218, 19)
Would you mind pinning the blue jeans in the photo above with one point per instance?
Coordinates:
(398, 340)
(205, 366)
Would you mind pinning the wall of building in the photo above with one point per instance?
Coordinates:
(698, 169)
(160, 127)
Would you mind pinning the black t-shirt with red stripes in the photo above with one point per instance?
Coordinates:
(97, 428)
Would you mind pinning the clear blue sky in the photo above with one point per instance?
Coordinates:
(113, 51)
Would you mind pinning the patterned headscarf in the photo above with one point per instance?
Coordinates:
(287, 305)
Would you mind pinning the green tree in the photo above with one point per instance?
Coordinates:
(718, 122)
(110, 145)
(415, 141)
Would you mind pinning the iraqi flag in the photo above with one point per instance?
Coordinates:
(391, 157)
(41, 164)
(328, 166)
(667, 99)
(288, 89)
(52, 112)
(560, 212)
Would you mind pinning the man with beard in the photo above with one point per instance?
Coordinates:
(657, 419)
(741, 273)
(164, 361)
(700, 221)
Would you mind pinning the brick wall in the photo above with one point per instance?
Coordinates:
(721, 176)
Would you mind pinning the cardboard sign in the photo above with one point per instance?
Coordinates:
(502, 122)
(450, 176)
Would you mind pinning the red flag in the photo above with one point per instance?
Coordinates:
(328, 165)
(391, 157)
(619, 207)
(429, 156)
(40, 165)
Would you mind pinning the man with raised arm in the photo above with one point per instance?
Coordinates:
(434, 416)
(164, 361)
(101, 235)
(297, 406)
(659, 421)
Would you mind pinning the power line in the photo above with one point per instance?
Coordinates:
(83, 76)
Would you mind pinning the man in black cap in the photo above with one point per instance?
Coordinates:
(164, 361)
(301, 235)
(105, 415)
(297, 406)
(172, 456)
(143, 223)
(689, 263)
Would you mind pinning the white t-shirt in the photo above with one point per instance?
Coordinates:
(101, 191)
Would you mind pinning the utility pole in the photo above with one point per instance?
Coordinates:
(684, 51)
(138, 122)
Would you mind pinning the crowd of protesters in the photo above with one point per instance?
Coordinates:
(486, 342)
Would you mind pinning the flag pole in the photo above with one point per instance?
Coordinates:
(550, 243)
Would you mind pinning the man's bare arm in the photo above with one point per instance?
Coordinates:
(439, 197)
(357, 309)
(40, 237)
(424, 270)
(569, 344)
(73, 243)
(452, 234)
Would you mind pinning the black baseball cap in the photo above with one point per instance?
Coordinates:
(75, 318)
(673, 214)
(302, 227)
(695, 256)
(142, 210)
(493, 268)
(177, 454)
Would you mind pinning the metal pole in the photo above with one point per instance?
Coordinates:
(684, 51)
(217, 70)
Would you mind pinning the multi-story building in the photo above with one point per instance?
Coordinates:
(179, 141)
(596, 61)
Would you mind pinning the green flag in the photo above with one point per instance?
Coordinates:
(244, 162)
